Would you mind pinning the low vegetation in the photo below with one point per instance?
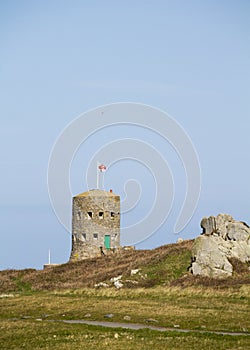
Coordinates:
(30, 335)
(162, 293)
(166, 265)
(34, 320)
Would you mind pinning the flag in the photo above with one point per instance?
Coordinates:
(102, 168)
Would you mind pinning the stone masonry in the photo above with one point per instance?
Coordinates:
(95, 224)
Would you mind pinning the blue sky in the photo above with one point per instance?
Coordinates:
(61, 58)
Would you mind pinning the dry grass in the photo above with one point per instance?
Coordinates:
(88, 272)
(166, 265)
(33, 335)
(191, 308)
(169, 295)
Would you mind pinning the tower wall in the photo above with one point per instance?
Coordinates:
(95, 224)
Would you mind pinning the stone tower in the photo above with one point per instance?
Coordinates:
(95, 224)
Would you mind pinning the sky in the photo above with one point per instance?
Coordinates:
(60, 59)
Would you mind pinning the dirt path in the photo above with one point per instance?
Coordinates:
(136, 326)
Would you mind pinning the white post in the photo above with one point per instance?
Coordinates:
(97, 176)
(49, 256)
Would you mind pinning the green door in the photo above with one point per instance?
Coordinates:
(107, 241)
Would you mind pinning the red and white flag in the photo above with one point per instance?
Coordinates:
(102, 168)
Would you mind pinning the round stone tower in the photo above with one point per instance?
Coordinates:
(95, 224)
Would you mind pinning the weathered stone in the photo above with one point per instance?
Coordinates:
(238, 231)
(151, 320)
(241, 250)
(208, 225)
(216, 225)
(209, 257)
(101, 285)
(95, 224)
(129, 247)
(131, 281)
(222, 238)
(118, 284)
(6, 295)
(115, 279)
(127, 318)
(49, 266)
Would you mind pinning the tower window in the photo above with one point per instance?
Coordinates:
(78, 215)
(84, 236)
(90, 214)
(112, 214)
(101, 215)
(95, 235)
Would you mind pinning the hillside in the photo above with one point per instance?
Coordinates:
(166, 265)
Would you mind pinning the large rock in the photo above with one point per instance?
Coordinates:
(222, 238)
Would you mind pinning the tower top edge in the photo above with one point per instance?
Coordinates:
(97, 193)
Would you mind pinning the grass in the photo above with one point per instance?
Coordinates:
(195, 309)
(89, 272)
(190, 308)
(166, 265)
(33, 304)
(30, 335)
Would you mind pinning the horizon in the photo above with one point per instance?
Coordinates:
(59, 61)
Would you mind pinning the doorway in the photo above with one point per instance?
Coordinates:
(107, 241)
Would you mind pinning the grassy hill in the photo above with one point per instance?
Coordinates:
(37, 306)
(166, 265)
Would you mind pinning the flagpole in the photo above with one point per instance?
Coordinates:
(100, 168)
(97, 176)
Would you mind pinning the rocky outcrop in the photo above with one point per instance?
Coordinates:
(222, 238)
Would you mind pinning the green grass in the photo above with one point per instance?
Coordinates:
(162, 265)
(22, 286)
(32, 335)
(166, 265)
(167, 269)
(197, 309)
(33, 304)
